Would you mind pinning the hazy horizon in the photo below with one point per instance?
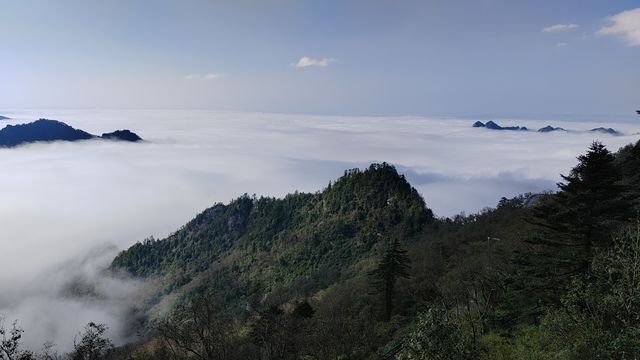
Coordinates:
(331, 57)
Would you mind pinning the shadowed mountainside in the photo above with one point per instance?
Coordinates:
(53, 130)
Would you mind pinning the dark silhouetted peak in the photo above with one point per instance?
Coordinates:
(493, 126)
(4, 118)
(609, 131)
(550, 128)
(40, 130)
(124, 135)
(53, 130)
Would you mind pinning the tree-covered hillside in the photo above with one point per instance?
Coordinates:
(363, 270)
(383, 278)
(258, 247)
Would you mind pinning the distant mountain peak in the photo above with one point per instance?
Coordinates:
(550, 128)
(124, 135)
(491, 125)
(603, 130)
(45, 130)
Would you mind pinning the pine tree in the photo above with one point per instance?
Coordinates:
(393, 266)
(583, 216)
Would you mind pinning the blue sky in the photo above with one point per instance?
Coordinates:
(465, 58)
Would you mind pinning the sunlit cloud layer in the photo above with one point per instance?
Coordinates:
(62, 200)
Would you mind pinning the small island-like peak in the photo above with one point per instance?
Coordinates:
(491, 125)
(123, 135)
(45, 130)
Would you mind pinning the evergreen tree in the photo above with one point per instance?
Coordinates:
(572, 225)
(628, 161)
(580, 218)
(393, 265)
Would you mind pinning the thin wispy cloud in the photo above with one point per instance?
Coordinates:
(306, 61)
(559, 27)
(561, 45)
(624, 25)
(208, 76)
(212, 76)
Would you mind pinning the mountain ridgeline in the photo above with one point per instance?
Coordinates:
(44, 130)
(490, 125)
(267, 247)
(363, 270)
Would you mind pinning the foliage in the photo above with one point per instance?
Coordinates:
(10, 343)
(198, 330)
(393, 266)
(581, 218)
(93, 344)
(538, 277)
(306, 241)
(601, 313)
(435, 336)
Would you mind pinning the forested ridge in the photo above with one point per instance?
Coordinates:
(364, 270)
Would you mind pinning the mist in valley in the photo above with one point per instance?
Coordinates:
(68, 208)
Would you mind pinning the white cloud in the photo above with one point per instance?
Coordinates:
(212, 76)
(559, 27)
(42, 306)
(306, 61)
(66, 198)
(625, 25)
(561, 45)
(209, 76)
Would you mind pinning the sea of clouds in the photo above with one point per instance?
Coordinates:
(66, 207)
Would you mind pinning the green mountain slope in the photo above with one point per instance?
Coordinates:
(259, 247)
(294, 278)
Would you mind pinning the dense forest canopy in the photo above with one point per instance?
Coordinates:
(364, 270)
